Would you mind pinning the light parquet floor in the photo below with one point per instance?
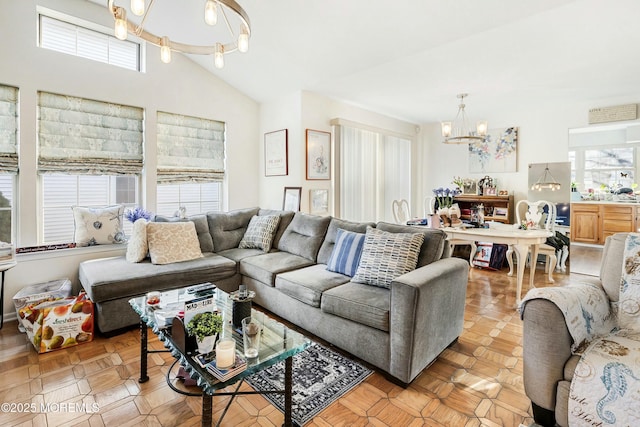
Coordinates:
(475, 382)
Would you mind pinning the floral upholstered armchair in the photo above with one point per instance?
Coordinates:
(581, 344)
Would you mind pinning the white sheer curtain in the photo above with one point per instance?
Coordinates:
(375, 169)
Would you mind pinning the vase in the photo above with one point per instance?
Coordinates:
(206, 345)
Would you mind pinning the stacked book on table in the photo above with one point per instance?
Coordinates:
(208, 361)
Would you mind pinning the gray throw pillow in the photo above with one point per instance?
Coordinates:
(386, 256)
(260, 232)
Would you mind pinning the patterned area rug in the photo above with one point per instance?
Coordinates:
(320, 377)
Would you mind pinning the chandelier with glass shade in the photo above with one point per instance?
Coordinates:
(214, 11)
(458, 131)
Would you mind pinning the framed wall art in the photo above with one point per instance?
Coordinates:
(319, 201)
(276, 162)
(496, 152)
(291, 199)
(318, 155)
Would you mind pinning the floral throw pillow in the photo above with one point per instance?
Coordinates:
(98, 226)
(260, 232)
(385, 256)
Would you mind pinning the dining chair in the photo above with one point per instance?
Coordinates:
(401, 211)
(535, 217)
(429, 206)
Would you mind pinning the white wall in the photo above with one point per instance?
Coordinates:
(304, 110)
(180, 87)
(542, 137)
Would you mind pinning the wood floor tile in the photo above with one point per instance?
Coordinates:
(476, 382)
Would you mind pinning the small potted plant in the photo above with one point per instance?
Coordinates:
(205, 327)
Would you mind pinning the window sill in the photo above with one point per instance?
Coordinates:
(77, 251)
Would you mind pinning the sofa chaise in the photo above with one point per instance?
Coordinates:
(400, 329)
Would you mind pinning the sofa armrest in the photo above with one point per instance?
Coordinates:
(546, 347)
(427, 314)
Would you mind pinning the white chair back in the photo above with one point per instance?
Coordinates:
(401, 211)
(429, 206)
(535, 213)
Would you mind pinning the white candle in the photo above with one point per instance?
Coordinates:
(225, 353)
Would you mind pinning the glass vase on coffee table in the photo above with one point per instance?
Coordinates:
(277, 343)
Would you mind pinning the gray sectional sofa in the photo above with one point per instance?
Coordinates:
(400, 330)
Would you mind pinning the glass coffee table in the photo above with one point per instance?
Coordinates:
(278, 343)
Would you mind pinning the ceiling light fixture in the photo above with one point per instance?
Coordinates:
(212, 10)
(546, 182)
(458, 131)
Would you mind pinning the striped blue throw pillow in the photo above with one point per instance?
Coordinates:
(346, 253)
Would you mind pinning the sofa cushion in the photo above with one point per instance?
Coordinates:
(346, 252)
(386, 256)
(285, 219)
(227, 228)
(115, 278)
(360, 303)
(98, 226)
(610, 269)
(172, 242)
(137, 246)
(433, 247)
(304, 235)
(307, 284)
(237, 254)
(260, 232)
(330, 237)
(264, 267)
(202, 228)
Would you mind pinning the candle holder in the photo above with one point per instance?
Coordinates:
(241, 307)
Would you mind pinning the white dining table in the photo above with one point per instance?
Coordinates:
(522, 241)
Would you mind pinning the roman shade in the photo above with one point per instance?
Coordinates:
(83, 136)
(190, 149)
(8, 129)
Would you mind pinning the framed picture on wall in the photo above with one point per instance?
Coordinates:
(291, 199)
(318, 155)
(319, 201)
(276, 160)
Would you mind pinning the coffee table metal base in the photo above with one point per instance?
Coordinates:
(207, 399)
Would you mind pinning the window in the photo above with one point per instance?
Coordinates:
(195, 198)
(8, 158)
(89, 154)
(375, 169)
(62, 192)
(66, 37)
(600, 167)
(190, 164)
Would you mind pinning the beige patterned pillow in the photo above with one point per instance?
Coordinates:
(137, 247)
(386, 256)
(260, 232)
(98, 226)
(172, 242)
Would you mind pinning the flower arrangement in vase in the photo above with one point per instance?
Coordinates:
(448, 211)
(205, 327)
(132, 215)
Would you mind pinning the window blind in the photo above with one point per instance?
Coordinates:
(190, 149)
(82, 136)
(8, 129)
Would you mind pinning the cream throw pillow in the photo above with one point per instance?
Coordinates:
(137, 247)
(98, 226)
(172, 242)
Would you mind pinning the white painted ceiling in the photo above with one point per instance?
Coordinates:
(409, 58)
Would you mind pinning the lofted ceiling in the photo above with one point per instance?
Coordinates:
(409, 58)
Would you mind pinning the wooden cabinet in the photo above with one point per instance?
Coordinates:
(496, 208)
(585, 223)
(593, 222)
